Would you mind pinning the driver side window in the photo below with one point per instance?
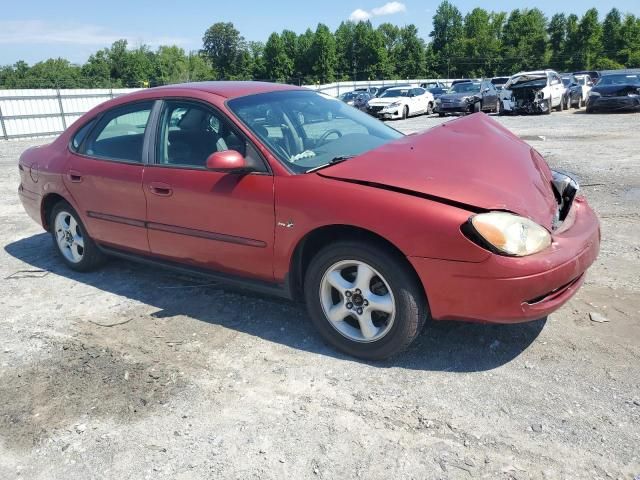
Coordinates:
(190, 132)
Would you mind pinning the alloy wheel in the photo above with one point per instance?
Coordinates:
(357, 301)
(69, 237)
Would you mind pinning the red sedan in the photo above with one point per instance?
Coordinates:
(287, 191)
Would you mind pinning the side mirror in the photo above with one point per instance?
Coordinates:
(227, 161)
(485, 90)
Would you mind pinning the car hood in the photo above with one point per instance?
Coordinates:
(616, 90)
(473, 163)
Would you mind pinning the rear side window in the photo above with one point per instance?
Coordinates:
(81, 134)
(119, 134)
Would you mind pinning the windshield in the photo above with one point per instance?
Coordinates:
(345, 97)
(566, 81)
(306, 129)
(395, 93)
(620, 80)
(467, 87)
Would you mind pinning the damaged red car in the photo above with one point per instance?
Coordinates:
(289, 192)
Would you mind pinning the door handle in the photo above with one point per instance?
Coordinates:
(74, 176)
(162, 189)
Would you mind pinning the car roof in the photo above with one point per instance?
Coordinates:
(229, 89)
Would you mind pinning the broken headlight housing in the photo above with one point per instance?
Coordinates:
(508, 234)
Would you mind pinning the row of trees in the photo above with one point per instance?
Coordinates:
(478, 44)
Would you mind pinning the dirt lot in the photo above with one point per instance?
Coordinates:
(132, 372)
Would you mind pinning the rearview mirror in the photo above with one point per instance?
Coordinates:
(227, 161)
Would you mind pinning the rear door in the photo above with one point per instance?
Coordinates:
(104, 176)
(215, 220)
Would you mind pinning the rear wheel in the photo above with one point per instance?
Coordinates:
(547, 109)
(78, 251)
(364, 300)
(429, 108)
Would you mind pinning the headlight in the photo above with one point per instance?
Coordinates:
(540, 95)
(594, 94)
(511, 234)
(394, 104)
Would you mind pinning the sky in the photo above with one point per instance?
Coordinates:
(34, 30)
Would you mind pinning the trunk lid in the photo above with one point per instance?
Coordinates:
(471, 161)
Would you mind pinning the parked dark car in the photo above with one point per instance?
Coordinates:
(357, 99)
(437, 92)
(434, 84)
(499, 82)
(573, 92)
(469, 97)
(381, 90)
(615, 92)
(464, 80)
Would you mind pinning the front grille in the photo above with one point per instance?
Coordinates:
(375, 108)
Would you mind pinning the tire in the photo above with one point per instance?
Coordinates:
(389, 276)
(405, 112)
(477, 107)
(499, 107)
(429, 108)
(71, 240)
(580, 103)
(560, 106)
(441, 114)
(548, 103)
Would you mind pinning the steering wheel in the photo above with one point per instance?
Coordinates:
(323, 139)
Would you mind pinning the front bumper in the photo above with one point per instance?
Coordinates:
(514, 289)
(457, 107)
(613, 104)
(385, 113)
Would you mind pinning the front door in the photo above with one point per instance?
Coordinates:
(220, 221)
(104, 177)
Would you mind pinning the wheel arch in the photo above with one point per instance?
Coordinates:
(46, 206)
(309, 245)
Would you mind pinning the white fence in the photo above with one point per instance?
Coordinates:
(337, 88)
(32, 113)
(35, 113)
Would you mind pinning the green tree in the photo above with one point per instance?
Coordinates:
(303, 67)
(524, 40)
(225, 48)
(278, 65)
(630, 33)
(323, 54)
(447, 38)
(171, 65)
(590, 38)
(612, 42)
(411, 53)
(97, 70)
(557, 31)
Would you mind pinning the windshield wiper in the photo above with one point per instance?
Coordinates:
(333, 161)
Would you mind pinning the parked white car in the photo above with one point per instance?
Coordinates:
(533, 92)
(586, 84)
(401, 102)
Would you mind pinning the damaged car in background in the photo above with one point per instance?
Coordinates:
(615, 92)
(533, 92)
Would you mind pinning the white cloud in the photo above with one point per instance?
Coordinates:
(41, 32)
(390, 8)
(359, 15)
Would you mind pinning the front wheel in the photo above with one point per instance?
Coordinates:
(364, 300)
(78, 251)
(405, 112)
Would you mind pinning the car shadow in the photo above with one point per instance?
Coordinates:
(442, 346)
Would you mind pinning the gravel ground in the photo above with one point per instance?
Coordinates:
(133, 372)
